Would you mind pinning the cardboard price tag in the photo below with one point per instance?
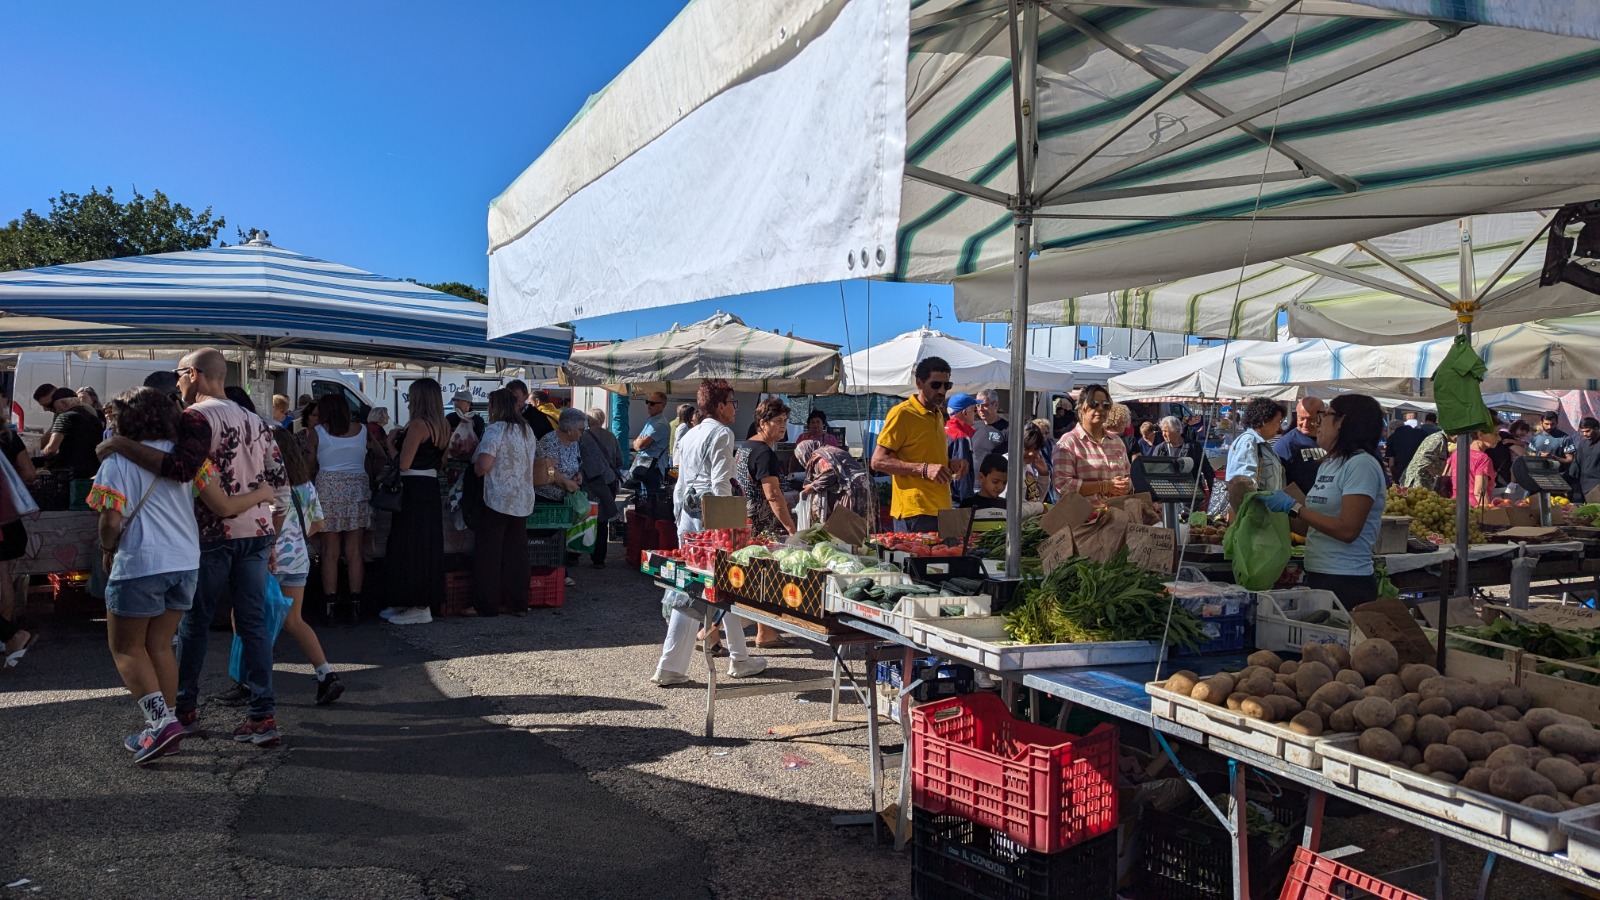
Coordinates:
(1056, 549)
(847, 526)
(723, 512)
(955, 523)
(1572, 618)
(1151, 548)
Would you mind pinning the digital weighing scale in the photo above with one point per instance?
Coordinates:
(1541, 477)
(1172, 481)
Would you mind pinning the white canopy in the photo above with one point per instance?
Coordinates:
(1207, 374)
(888, 368)
(1551, 354)
(719, 347)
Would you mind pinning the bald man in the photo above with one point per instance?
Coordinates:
(238, 446)
(1298, 448)
(651, 445)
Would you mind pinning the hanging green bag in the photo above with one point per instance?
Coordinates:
(1458, 390)
(1386, 588)
(1258, 544)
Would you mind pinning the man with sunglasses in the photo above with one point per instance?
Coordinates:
(651, 443)
(912, 450)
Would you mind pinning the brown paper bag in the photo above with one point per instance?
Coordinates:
(1070, 511)
(723, 512)
(1392, 621)
(844, 524)
(1056, 549)
(1151, 548)
(1101, 539)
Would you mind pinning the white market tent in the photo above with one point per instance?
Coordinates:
(263, 298)
(760, 146)
(1550, 354)
(1205, 375)
(718, 347)
(888, 368)
(1389, 289)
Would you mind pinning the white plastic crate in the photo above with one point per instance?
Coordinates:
(1281, 619)
(1272, 738)
(905, 611)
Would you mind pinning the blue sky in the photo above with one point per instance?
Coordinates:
(370, 134)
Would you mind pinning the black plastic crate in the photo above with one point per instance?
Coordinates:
(939, 679)
(547, 548)
(956, 859)
(936, 570)
(1188, 856)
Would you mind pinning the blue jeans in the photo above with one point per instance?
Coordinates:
(916, 524)
(243, 564)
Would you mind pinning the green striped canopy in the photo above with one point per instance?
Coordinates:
(719, 347)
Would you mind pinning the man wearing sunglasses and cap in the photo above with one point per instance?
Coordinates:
(913, 450)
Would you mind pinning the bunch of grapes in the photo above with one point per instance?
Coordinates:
(1433, 518)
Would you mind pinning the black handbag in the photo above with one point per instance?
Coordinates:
(386, 489)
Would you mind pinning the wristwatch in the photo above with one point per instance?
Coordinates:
(1294, 511)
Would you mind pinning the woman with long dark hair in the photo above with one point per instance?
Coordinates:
(1341, 516)
(504, 459)
(415, 555)
(336, 450)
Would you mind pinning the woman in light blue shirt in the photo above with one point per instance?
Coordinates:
(1251, 455)
(1341, 516)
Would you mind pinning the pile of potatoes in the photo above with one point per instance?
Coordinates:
(1482, 736)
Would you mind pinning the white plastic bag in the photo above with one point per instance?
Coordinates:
(802, 515)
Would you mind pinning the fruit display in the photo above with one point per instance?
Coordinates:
(1485, 737)
(1433, 518)
(1207, 534)
(921, 543)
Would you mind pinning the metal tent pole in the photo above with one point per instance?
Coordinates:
(1025, 55)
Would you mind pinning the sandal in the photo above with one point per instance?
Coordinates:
(777, 643)
(13, 658)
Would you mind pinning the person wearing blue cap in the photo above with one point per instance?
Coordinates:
(959, 428)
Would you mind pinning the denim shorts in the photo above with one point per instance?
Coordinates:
(291, 579)
(149, 596)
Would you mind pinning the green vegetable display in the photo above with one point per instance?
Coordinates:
(1083, 601)
(743, 555)
(1580, 646)
(992, 544)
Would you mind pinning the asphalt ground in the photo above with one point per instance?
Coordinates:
(504, 757)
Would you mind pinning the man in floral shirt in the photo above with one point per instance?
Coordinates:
(232, 551)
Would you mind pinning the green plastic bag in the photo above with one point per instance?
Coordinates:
(1258, 544)
(1386, 588)
(1458, 390)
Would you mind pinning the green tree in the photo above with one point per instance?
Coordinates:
(458, 288)
(82, 227)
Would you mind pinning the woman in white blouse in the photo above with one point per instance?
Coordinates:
(505, 461)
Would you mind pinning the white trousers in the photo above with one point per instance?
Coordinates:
(677, 653)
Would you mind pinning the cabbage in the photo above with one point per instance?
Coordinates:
(744, 555)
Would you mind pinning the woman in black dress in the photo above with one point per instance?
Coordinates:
(415, 555)
(13, 544)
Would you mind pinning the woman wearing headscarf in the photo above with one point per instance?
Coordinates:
(835, 480)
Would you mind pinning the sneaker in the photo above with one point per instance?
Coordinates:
(664, 678)
(160, 743)
(237, 695)
(744, 668)
(261, 732)
(417, 616)
(134, 741)
(329, 689)
(390, 612)
(190, 720)
(571, 583)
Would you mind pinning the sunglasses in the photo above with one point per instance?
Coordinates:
(182, 370)
(941, 385)
(655, 403)
(1098, 404)
(1326, 413)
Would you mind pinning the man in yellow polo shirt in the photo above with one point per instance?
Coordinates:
(913, 451)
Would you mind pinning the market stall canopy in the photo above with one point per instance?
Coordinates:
(1391, 289)
(719, 347)
(877, 140)
(262, 297)
(1551, 354)
(1096, 369)
(1205, 375)
(890, 367)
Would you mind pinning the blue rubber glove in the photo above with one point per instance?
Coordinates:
(1278, 501)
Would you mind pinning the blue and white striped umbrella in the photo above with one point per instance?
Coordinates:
(265, 297)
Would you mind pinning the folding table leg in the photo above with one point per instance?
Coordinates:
(711, 684)
(1312, 838)
(833, 697)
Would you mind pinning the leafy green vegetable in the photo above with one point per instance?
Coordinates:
(992, 544)
(1083, 601)
(743, 555)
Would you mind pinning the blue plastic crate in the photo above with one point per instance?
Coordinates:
(1228, 634)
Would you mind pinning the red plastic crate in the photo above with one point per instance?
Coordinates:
(547, 587)
(1046, 789)
(457, 593)
(1314, 877)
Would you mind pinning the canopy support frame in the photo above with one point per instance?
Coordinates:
(1024, 87)
(1359, 279)
(1521, 251)
(957, 185)
(1409, 274)
(949, 74)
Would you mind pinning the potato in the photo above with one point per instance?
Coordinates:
(1336, 656)
(1445, 777)
(1262, 708)
(1589, 793)
(1589, 768)
(1517, 783)
(1488, 696)
(1458, 691)
(1404, 728)
(1413, 674)
(1538, 753)
(1435, 706)
(1306, 722)
(1495, 740)
(1379, 744)
(1476, 779)
(1374, 659)
(1258, 684)
(1284, 679)
(1568, 757)
(1516, 733)
(1511, 755)
(1374, 712)
(1431, 730)
(1422, 768)
(1350, 677)
(1311, 651)
(1310, 678)
(1541, 717)
(1288, 667)
(1283, 690)
(1214, 689)
(1570, 739)
(1249, 671)
(1410, 756)
(1330, 696)
(1406, 705)
(1237, 699)
(1470, 743)
(1265, 658)
(1503, 713)
(1567, 777)
(1445, 758)
(1343, 718)
(1474, 719)
(1182, 682)
(1514, 696)
(1546, 803)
